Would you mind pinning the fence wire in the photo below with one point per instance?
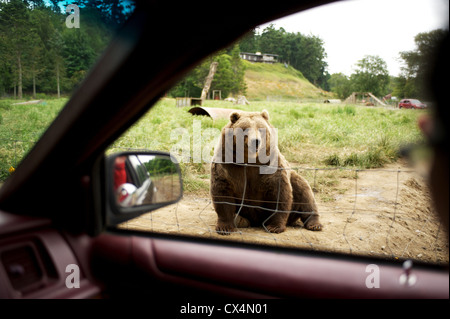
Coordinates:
(396, 222)
(402, 226)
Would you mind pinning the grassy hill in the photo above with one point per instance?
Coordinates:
(275, 81)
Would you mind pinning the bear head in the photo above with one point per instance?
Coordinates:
(249, 136)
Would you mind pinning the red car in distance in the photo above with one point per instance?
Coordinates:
(411, 104)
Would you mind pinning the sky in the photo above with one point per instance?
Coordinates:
(352, 29)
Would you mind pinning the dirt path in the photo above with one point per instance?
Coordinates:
(383, 212)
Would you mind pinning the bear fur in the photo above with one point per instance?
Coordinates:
(244, 196)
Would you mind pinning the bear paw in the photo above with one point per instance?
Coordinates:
(314, 226)
(241, 222)
(223, 229)
(276, 228)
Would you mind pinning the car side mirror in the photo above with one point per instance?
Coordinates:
(140, 182)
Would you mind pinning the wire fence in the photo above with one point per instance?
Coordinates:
(383, 212)
(379, 212)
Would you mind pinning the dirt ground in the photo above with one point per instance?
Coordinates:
(384, 212)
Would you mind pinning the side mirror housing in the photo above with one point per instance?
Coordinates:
(140, 182)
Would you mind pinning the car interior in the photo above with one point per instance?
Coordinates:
(58, 234)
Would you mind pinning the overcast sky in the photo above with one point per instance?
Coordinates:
(354, 28)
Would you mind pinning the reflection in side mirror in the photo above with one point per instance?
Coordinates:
(145, 179)
(140, 182)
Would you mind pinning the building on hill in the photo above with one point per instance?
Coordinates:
(259, 57)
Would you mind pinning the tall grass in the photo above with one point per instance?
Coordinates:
(309, 135)
(278, 81)
(20, 127)
(312, 135)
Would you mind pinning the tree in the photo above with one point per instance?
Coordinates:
(41, 29)
(39, 54)
(340, 84)
(304, 53)
(112, 13)
(186, 87)
(56, 45)
(6, 79)
(418, 63)
(272, 41)
(224, 78)
(249, 43)
(229, 76)
(371, 76)
(238, 68)
(78, 55)
(404, 87)
(311, 59)
(15, 30)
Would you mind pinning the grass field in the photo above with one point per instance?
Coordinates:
(275, 81)
(368, 212)
(20, 127)
(310, 134)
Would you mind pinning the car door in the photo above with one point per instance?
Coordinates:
(240, 269)
(407, 104)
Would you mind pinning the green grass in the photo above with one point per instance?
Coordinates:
(20, 127)
(276, 70)
(312, 135)
(275, 81)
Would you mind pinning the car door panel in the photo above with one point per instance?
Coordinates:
(131, 261)
(137, 266)
(34, 258)
(237, 271)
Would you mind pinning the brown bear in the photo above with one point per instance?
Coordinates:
(252, 183)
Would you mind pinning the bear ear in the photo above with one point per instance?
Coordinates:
(234, 116)
(265, 114)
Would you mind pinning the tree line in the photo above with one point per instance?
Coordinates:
(417, 65)
(228, 78)
(371, 73)
(39, 53)
(305, 53)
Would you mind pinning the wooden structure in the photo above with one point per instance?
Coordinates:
(259, 57)
(217, 95)
(191, 101)
(353, 98)
(188, 101)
